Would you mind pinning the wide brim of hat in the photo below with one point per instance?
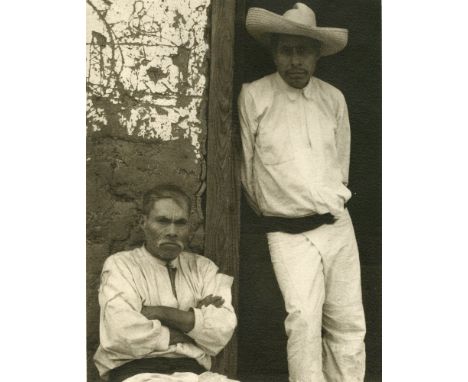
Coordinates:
(261, 23)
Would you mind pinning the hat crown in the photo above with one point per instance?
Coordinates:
(301, 14)
(298, 21)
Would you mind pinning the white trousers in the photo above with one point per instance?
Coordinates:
(318, 273)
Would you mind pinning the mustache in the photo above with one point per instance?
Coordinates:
(296, 72)
(176, 242)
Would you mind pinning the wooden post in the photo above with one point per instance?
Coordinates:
(222, 180)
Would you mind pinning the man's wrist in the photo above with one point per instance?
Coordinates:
(171, 317)
(177, 336)
(154, 313)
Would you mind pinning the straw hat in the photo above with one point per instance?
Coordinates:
(299, 21)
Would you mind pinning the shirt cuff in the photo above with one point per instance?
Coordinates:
(199, 324)
(162, 342)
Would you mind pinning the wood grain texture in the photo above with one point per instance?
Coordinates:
(223, 185)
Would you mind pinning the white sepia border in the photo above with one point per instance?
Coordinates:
(424, 178)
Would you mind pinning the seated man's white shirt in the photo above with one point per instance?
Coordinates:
(132, 279)
(296, 145)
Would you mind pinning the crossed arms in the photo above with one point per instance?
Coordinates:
(129, 330)
(179, 321)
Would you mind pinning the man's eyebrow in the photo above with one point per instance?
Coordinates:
(164, 217)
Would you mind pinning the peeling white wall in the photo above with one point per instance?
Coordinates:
(147, 68)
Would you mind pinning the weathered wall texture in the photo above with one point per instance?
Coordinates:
(146, 105)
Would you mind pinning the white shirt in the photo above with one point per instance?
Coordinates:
(296, 145)
(135, 278)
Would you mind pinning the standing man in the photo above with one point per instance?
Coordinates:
(296, 144)
(164, 310)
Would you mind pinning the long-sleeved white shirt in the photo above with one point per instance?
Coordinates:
(135, 278)
(296, 147)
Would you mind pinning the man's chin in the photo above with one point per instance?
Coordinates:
(298, 83)
(169, 251)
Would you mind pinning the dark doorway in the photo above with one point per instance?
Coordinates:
(356, 71)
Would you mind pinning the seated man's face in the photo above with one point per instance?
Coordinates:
(166, 229)
(295, 58)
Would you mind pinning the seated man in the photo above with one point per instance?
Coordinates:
(163, 310)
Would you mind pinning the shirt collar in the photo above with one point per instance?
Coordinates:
(293, 93)
(173, 264)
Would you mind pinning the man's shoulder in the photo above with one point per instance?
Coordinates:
(327, 89)
(261, 85)
(197, 260)
(127, 258)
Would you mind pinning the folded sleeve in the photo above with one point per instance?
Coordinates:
(214, 327)
(248, 124)
(343, 138)
(124, 331)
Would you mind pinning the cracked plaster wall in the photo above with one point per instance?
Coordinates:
(146, 104)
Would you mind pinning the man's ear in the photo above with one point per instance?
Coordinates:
(142, 221)
(273, 57)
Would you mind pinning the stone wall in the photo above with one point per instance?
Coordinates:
(146, 85)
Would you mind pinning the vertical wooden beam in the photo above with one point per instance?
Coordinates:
(222, 180)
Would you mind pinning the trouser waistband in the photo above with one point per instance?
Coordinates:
(295, 225)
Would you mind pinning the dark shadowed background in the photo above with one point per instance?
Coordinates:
(356, 71)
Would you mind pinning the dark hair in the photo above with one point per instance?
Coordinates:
(165, 191)
(274, 40)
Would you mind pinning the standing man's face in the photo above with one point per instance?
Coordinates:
(166, 229)
(295, 58)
